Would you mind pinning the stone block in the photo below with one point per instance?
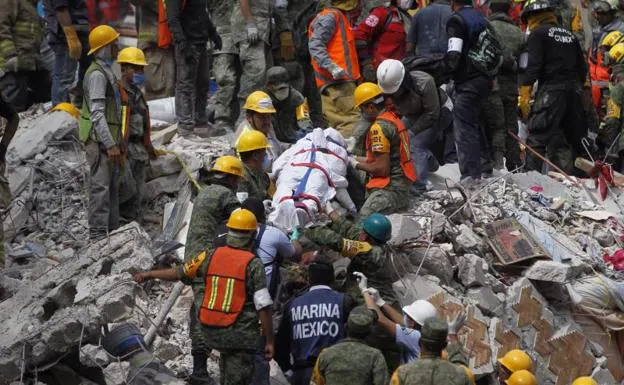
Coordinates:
(93, 356)
(164, 165)
(467, 241)
(436, 262)
(163, 185)
(403, 228)
(603, 377)
(486, 301)
(472, 270)
(412, 287)
(116, 373)
(167, 351)
(551, 271)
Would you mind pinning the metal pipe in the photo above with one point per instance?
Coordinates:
(164, 310)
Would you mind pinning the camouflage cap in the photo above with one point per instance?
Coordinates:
(361, 320)
(277, 75)
(434, 330)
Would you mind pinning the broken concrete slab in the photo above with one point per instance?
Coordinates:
(93, 356)
(471, 270)
(436, 262)
(404, 227)
(163, 185)
(551, 271)
(412, 287)
(164, 165)
(485, 299)
(467, 241)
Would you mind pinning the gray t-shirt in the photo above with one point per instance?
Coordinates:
(273, 243)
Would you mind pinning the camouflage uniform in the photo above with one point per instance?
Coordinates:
(236, 343)
(254, 184)
(394, 197)
(351, 361)
(613, 123)
(226, 67)
(501, 108)
(286, 122)
(570, 18)
(160, 74)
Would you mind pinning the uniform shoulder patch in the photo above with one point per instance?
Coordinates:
(372, 21)
(351, 248)
(613, 110)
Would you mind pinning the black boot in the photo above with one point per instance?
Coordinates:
(200, 370)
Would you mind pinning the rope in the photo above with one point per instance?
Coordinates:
(185, 168)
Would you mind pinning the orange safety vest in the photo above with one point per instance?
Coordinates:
(341, 50)
(164, 33)
(225, 292)
(404, 150)
(599, 75)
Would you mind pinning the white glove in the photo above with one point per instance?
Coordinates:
(353, 162)
(268, 205)
(361, 280)
(329, 208)
(253, 36)
(337, 72)
(376, 297)
(455, 321)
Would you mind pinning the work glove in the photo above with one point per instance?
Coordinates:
(374, 293)
(353, 162)
(337, 72)
(295, 235)
(253, 35)
(361, 280)
(287, 46)
(329, 208)
(12, 65)
(455, 321)
(524, 99)
(73, 43)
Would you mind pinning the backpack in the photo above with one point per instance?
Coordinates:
(432, 64)
(486, 54)
(300, 29)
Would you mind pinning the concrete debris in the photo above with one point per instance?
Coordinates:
(485, 299)
(93, 356)
(472, 270)
(467, 241)
(552, 271)
(403, 228)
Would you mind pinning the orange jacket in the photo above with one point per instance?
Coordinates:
(225, 293)
(341, 50)
(599, 75)
(404, 150)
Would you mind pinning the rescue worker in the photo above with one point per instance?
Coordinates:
(522, 377)
(191, 29)
(225, 67)
(156, 42)
(103, 131)
(612, 124)
(252, 149)
(513, 361)
(419, 101)
(427, 33)
(472, 88)
(388, 161)
(501, 108)
(335, 63)
(365, 246)
(584, 381)
(140, 148)
(570, 18)
(259, 112)
(291, 121)
(67, 31)
(213, 205)
(304, 348)
(431, 368)
(604, 11)
(234, 300)
(23, 81)
(405, 326)
(12, 122)
(351, 361)
(381, 36)
(556, 123)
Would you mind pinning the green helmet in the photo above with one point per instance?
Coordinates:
(378, 227)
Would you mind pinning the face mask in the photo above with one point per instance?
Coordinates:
(405, 319)
(266, 163)
(282, 94)
(138, 78)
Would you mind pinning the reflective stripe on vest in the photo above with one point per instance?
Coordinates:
(225, 291)
(406, 160)
(341, 50)
(111, 112)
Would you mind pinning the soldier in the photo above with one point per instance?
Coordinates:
(156, 44)
(570, 18)
(22, 81)
(7, 112)
(291, 122)
(234, 298)
(213, 205)
(103, 131)
(252, 149)
(555, 59)
(140, 149)
(335, 63)
(513, 361)
(351, 361)
(501, 108)
(191, 28)
(612, 125)
(431, 368)
(388, 161)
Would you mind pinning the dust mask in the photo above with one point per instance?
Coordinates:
(266, 163)
(282, 93)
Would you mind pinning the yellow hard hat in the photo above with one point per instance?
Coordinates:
(611, 39)
(345, 5)
(521, 377)
(259, 101)
(101, 36)
(584, 381)
(252, 140)
(469, 374)
(228, 164)
(242, 219)
(515, 360)
(366, 92)
(616, 53)
(67, 107)
(131, 55)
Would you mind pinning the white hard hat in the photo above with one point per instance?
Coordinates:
(420, 311)
(390, 75)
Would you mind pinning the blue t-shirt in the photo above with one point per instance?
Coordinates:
(408, 339)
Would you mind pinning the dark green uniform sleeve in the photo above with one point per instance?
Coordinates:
(456, 354)
(380, 370)
(325, 237)
(346, 228)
